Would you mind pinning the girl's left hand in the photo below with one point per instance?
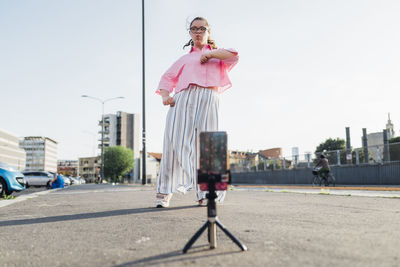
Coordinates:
(205, 57)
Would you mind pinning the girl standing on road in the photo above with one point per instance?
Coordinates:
(197, 78)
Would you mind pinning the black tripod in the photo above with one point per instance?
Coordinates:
(212, 221)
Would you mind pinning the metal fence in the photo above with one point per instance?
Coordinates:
(365, 174)
(378, 154)
(350, 167)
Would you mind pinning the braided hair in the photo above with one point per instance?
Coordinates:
(209, 41)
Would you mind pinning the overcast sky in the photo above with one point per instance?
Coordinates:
(307, 68)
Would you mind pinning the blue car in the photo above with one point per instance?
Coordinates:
(10, 180)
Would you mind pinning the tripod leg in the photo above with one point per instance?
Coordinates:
(195, 236)
(232, 237)
(213, 234)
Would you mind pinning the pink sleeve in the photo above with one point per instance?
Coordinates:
(229, 63)
(170, 77)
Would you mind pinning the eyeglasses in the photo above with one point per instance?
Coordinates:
(195, 29)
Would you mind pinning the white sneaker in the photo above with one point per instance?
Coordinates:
(162, 200)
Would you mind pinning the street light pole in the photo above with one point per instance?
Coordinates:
(102, 131)
(144, 155)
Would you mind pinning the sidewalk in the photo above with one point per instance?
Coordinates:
(362, 191)
(104, 225)
(337, 187)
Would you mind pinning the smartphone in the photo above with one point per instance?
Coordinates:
(213, 160)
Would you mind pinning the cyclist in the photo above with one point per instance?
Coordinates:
(323, 172)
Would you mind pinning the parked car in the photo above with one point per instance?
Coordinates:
(10, 180)
(75, 180)
(37, 178)
(67, 180)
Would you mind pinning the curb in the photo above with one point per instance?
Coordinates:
(337, 187)
(327, 191)
(7, 202)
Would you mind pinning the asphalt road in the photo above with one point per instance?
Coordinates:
(104, 225)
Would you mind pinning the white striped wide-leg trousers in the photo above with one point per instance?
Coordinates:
(195, 111)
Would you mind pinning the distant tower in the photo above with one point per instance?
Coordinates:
(390, 128)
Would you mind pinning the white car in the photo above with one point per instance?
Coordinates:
(67, 180)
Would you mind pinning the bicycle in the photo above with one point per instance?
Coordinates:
(324, 180)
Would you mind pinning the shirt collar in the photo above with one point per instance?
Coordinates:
(207, 46)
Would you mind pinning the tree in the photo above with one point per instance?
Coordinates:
(117, 161)
(394, 140)
(330, 146)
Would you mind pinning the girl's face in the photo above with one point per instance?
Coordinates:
(199, 32)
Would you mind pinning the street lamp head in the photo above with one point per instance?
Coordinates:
(84, 96)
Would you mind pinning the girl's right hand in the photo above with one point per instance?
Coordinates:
(167, 100)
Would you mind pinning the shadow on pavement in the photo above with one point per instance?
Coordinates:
(91, 215)
(177, 255)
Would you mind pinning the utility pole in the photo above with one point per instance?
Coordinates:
(144, 155)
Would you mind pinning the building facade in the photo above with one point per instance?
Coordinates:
(68, 167)
(89, 168)
(272, 153)
(10, 152)
(121, 129)
(390, 128)
(375, 146)
(237, 158)
(152, 166)
(41, 153)
(376, 142)
(240, 160)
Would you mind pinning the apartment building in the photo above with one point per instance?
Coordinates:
(68, 167)
(41, 153)
(89, 168)
(10, 152)
(274, 153)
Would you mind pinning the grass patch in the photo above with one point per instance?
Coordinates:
(5, 197)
